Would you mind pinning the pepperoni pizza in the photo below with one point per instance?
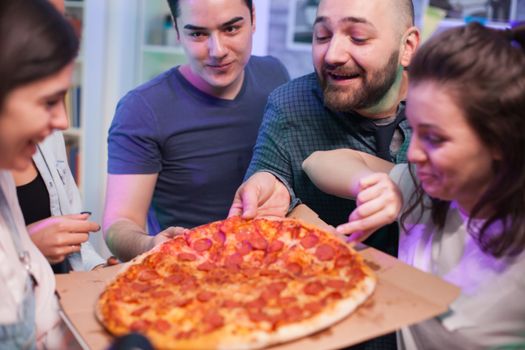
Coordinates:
(237, 284)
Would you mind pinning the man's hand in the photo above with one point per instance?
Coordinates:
(167, 234)
(59, 236)
(261, 195)
(378, 204)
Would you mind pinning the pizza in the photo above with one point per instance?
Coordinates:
(237, 284)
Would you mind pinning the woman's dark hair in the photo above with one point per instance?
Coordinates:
(483, 71)
(36, 42)
(175, 10)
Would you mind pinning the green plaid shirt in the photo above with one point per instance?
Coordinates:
(296, 123)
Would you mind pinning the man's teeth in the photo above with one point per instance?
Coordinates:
(343, 77)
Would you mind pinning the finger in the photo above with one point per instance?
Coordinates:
(365, 225)
(373, 179)
(112, 261)
(73, 238)
(388, 192)
(371, 192)
(358, 236)
(174, 231)
(368, 208)
(75, 225)
(59, 253)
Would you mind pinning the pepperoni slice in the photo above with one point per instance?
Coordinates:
(230, 304)
(275, 246)
(287, 300)
(202, 245)
(189, 283)
(139, 325)
(256, 304)
(278, 287)
(244, 247)
(256, 316)
(214, 320)
(258, 242)
(206, 266)
(336, 284)
(333, 296)
(140, 311)
(219, 237)
(185, 334)
(325, 252)
(205, 296)
(314, 307)
(293, 313)
(175, 278)
(161, 326)
(309, 241)
(182, 302)
(343, 260)
(140, 287)
(250, 272)
(294, 268)
(313, 288)
(147, 275)
(270, 259)
(161, 294)
(186, 257)
(233, 261)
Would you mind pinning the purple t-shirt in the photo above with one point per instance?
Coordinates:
(199, 145)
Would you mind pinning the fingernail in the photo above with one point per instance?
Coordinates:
(85, 212)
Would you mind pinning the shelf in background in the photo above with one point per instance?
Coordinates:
(78, 4)
(163, 49)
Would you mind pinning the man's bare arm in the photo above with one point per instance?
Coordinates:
(128, 198)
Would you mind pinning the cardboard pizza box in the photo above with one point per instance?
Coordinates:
(403, 296)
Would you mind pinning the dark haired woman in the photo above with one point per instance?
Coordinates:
(462, 198)
(37, 49)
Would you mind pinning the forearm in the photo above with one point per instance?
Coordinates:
(126, 239)
(339, 172)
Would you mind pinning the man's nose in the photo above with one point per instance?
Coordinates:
(216, 46)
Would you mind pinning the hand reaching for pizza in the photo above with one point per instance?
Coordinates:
(59, 236)
(261, 195)
(167, 234)
(378, 204)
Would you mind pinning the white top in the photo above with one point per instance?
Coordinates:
(64, 197)
(13, 275)
(490, 310)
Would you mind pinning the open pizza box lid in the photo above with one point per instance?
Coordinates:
(403, 296)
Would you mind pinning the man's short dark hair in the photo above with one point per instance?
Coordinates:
(408, 12)
(175, 8)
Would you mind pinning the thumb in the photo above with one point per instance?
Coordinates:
(249, 204)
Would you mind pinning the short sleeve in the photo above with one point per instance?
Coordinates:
(133, 140)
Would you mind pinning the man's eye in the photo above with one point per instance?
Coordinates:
(197, 35)
(52, 103)
(359, 40)
(232, 29)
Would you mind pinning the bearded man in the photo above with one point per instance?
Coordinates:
(355, 99)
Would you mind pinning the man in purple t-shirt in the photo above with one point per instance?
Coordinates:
(180, 144)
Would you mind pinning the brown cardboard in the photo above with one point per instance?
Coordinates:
(403, 296)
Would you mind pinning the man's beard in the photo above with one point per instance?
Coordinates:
(375, 86)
